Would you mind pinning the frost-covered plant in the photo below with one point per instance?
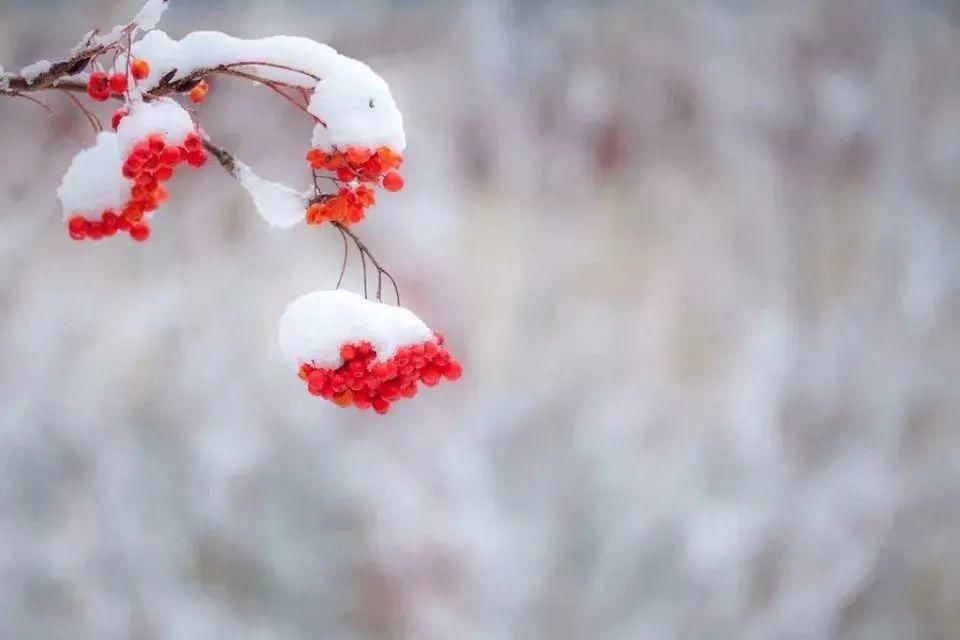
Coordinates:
(347, 348)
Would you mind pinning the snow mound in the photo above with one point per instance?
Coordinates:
(94, 182)
(350, 98)
(278, 204)
(208, 49)
(162, 116)
(357, 109)
(149, 15)
(316, 325)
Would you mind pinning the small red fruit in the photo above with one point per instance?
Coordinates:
(171, 156)
(199, 92)
(94, 230)
(118, 83)
(197, 158)
(192, 142)
(98, 86)
(118, 115)
(77, 228)
(393, 182)
(156, 143)
(139, 69)
(380, 405)
(453, 371)
(140, 232)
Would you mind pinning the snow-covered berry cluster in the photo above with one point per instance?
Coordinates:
(156, 139)
(357, 352)
(355, 169)
(365, 382)
(348, 349)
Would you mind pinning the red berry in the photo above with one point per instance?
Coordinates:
(139, 69)
(393, 182)
(110, 223)
(118, 83)
(156, 143)
(380, 405)
(118, 115)
(430, 375)
(199, 92)
(98, 86)
(453, 370)
(94, 230)
(192, 142)
(171, 155)
(140, 232)
(163, 173)
(345, 174)
(315, 382)
(197, 158)
(348, 352)
(77, 228)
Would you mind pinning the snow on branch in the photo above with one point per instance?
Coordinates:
(350, 349)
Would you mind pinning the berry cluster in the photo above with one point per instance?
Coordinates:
(362, 165)
(355, 168)
(149, 164)
(108, 225)
(101, 86)
(348, 206)
(365, 383)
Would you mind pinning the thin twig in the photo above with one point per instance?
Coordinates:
(91, 118)
(365, 251)
(346, 252)
(35, 101)
(273, 85)
(275, 66)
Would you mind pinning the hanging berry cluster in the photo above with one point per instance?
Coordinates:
(151, 160)
(150, 164)
(354, 168)
(352, 350)
(364, 382)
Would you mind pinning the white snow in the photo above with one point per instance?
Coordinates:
(276, 203)
(342, 98)
(32, 72)
(163, 116)
(358, 110)
(94, 182)
(148, 16)
(207, 49)
(316, 325)
(145, 20)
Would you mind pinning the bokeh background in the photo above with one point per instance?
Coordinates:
(701, 260)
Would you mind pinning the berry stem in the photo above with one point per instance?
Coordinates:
(91, 118)
(364, 251)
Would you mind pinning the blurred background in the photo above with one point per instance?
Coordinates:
(700, 259)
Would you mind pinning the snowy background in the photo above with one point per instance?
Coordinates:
(701, 261)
